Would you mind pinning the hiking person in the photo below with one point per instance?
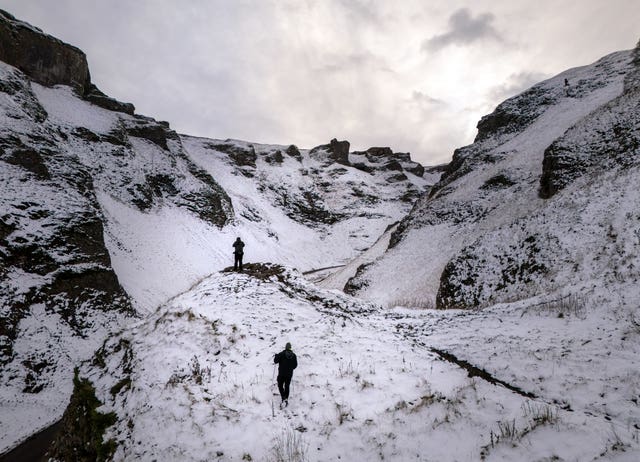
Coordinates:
(287, 362)
(238, 245)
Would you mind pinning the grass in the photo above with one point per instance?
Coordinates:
(535, 415)
(289, 447)
(414, 303)
(569, 305)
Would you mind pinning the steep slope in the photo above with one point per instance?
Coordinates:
(487, 232)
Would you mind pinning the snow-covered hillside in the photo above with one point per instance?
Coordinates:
(115, 232)
(196, 380)
(486, 234)
(106, 214)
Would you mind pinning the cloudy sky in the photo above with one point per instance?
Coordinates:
(415, 75)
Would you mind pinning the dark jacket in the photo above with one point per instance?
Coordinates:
(286, 361)
(238, 245)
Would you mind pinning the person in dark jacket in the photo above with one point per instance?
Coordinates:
(287, 362)
(238, 245)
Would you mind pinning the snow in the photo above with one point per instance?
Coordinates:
(368, 386)
(65, 108)
(193, 378)
(425, 250)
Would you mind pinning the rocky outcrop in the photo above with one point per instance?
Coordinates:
(474, 277)
(383, 159)
(49, 61)
(241, 155)
(336, 151)
(95, 96)
(45, 59)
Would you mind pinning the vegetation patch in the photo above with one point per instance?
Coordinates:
(83, 427)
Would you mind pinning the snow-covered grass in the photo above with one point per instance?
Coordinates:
(368, 386)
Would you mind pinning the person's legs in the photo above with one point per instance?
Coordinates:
(287, 383)
(236, 258)
(240, 262)
(281, 389)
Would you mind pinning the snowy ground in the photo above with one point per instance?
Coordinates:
(368, 386)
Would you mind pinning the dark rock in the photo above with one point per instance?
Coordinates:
(153, 132)
(274, 157)
(302, 205)
(294, 152)
(95, 96)
(396, 178)
(498, 182)
(516, 113)
(472, 277)
(357, 282)
(377, 154)
(45, 59)
(413, 167)
(338, 151)
(363, 167)
(82, 434)
(30, 258)
(393, 165)
(213, 204)
(85, 134)
(614, 145)
(30, 160)
(117, 136)
(242, 156)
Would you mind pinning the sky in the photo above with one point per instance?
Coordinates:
(414, 75)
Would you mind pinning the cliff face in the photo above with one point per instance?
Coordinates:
(44, 58)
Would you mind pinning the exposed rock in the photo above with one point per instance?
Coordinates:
(516, 113)
(397, 178)
(413, 167)
(357, 282)
(474, 277)
(294, 152)
(497, 182)
(241, 155)
(274, 157)
(377, 154)
(83, 427)
(338, 151)
(45, 59)
(615, 143)
(95, 96)
(154, 132)
(30, 160)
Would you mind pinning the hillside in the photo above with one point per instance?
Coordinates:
(106, 214)
(543, 201)
(486, 310)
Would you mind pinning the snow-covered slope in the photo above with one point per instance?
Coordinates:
(196, 380)
(106, 214)
(486, 234)
(115, 231)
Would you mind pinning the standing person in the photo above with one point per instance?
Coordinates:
(287, 362)
(238, 245)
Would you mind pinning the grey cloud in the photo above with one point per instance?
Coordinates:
(514, 84)
(463, 29)
(422, 99)
(349, 62)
